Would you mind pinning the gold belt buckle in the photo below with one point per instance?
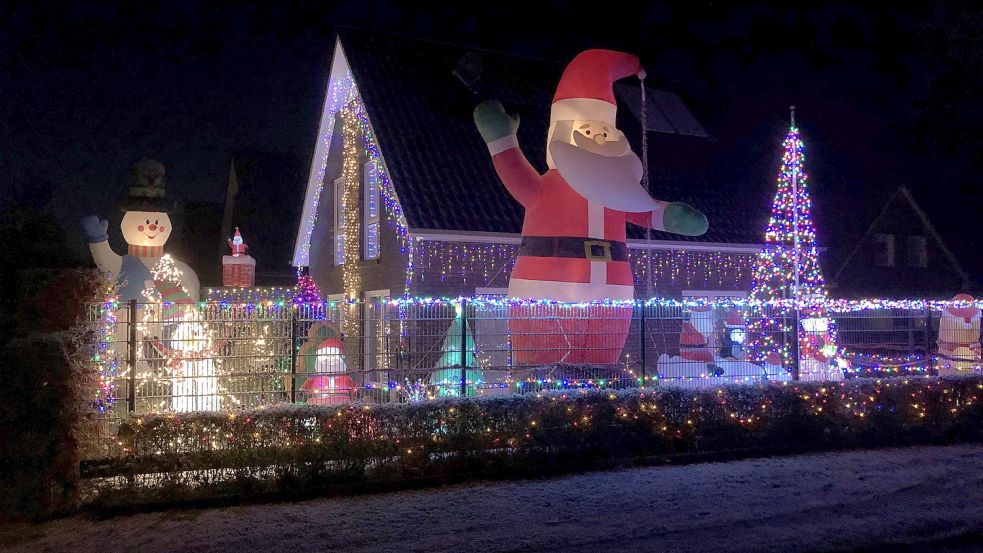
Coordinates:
(589, 246)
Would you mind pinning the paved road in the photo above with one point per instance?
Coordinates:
(909, 500)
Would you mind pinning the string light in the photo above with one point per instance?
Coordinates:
(899, 406)
(254, 295)
(689, 268)
(306, 290)
(105, 357)
(789, 256)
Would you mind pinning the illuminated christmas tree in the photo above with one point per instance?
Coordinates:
(788, 268)
(307, 291)
(447, 374)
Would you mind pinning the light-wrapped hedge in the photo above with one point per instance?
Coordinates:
(297, 447)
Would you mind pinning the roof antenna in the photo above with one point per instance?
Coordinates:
(468, 70)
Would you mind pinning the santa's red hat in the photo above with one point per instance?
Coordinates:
(586, 89)
(965, 313)
(332, 343)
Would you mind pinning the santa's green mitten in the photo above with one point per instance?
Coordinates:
(492, 121)
(683, 219)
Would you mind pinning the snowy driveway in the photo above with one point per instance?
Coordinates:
(832, 501)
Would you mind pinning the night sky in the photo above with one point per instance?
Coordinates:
(885, 97)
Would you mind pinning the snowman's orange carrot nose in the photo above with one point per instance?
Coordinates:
(153, 227)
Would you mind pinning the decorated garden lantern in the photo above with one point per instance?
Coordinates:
(323, 356)
(573, 235)
(959, 336)
(238, 269)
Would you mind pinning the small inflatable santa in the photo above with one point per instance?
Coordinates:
(323, 355)
(573, 236)
(959, 337)
(697, 335)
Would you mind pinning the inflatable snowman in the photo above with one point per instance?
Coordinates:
(191, 362)
(959, 337)
(146, 227)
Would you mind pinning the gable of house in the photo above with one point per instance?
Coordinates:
(899, 255)
(419, 97)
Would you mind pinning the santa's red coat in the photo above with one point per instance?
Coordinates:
(554, 209)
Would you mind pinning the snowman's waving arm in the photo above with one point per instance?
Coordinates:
(95, 230)
(675, 217)
(498, 129)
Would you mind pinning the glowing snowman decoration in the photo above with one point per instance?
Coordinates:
(194, 385)
(146, 226)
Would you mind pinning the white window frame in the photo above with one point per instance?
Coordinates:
(340, 309)
(921, 261)
(371, 229)
(339, 228)
(887, 243)
(373, 324)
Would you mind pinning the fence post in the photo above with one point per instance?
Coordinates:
(293, 353)
(131, 387)
(796, 375)
(928, 339)
(464, 347)
(642, 340)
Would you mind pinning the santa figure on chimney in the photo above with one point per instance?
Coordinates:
(573, 236)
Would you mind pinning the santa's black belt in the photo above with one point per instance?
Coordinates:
(578, 248)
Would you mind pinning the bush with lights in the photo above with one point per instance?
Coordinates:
(291, 448)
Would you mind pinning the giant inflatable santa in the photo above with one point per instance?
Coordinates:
(573, 236)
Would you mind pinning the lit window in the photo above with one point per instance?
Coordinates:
(884, 250)
(370, 214)
(917, 252)
(339, 221)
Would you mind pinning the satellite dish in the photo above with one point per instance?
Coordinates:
(468, 70)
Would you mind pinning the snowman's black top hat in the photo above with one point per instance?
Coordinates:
(146, 188)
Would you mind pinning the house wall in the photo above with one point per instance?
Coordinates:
(868, 275)
(386, 272)
(444, 268)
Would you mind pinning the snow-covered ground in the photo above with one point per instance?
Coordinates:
(867, 500)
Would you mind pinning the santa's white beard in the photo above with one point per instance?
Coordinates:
(613, 182)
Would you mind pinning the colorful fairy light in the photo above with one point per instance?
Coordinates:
(105, 357)
(254, 295)
(706, 269)
(307, 291)
(789, 257)
(905, 407)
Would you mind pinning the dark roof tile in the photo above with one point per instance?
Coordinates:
(421, 113)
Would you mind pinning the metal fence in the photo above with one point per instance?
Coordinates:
(218, 356)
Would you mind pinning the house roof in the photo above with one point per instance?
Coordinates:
(420, 95)
(901, 218)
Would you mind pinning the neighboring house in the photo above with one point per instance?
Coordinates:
(263, 198)
(900, 255)
(426, 213)
(197, 239)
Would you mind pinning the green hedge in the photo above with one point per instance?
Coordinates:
(293, 448)
(43, 418)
